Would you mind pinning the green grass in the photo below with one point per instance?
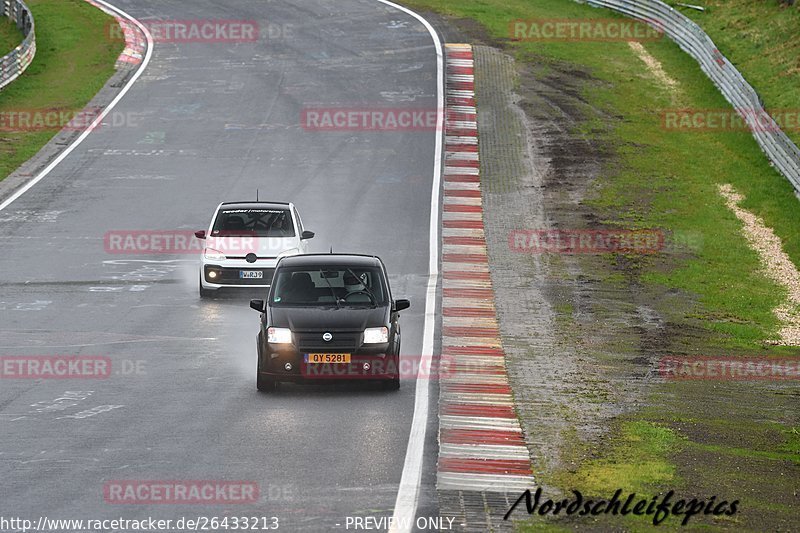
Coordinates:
(74, 59)
(10, 36)
(638, 461)
(761, 39)
(662, 178)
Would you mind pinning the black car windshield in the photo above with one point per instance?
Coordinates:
(256, 222)
(328, 286)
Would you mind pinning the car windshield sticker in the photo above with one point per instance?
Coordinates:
(273, 211)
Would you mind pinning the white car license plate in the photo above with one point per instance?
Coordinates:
(251, 274)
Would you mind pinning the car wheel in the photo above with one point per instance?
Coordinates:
(392, 384)
(265, 384)
(204, 293)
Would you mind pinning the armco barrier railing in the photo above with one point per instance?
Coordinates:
(14, 63)
(780, 150)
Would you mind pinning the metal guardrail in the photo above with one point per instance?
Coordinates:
(14, 63)
(781, 151)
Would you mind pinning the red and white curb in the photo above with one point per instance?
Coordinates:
(135, 41)
(481, 445)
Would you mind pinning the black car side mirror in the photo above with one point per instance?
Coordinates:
(258, 305)
(307, 235)
(200, 234)
(401, 304)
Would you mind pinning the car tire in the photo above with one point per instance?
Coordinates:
(204, 293)
(392, 384)
(265, 384)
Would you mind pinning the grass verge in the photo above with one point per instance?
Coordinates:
(10, 36)
(760, 38)
(74, 59)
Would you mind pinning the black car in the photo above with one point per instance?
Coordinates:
(329, 316)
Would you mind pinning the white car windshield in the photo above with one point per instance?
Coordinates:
(256, 222)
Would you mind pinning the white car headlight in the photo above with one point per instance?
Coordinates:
(376, 335)
(287, 253)
(214, 255)
(279, 335)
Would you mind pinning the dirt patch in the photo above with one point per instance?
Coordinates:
(655, 68)
(537, 169)
(777, 265)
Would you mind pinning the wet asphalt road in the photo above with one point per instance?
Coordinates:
(209, 122)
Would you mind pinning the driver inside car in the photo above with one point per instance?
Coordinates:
(353, 284)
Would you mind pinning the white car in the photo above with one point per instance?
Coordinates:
(245, 241)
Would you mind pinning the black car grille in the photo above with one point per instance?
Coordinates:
(312, 341)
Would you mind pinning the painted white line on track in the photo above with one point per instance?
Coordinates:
(405, 507)
(63, 155)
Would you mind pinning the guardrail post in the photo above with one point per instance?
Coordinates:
(779, 149)
(13, 64)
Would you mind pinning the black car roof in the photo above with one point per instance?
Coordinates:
(331, 259)
(254, 205)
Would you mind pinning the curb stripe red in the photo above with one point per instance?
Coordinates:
(468, 312)
(466, 275)
(465, 258)
(458, 331)
(485, 466)
(489, 411)
(459, 178)
(462, 194)
(481, 436)
(465, 241)
(473, 148)
(472, 350)
(485, 294)
(463, 224)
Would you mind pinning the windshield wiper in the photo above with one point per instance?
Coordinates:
(333, 292)
(366, 289)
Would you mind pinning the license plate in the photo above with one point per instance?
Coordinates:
(250, 274)
(322, 358)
